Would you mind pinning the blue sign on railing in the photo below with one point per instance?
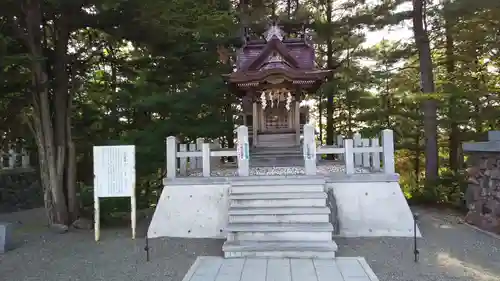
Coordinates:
(243, 151)
(310, 152)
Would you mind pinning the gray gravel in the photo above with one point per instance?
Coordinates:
(323, 168)
(449, 251)
(75, 256)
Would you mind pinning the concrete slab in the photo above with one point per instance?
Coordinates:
(280, 269)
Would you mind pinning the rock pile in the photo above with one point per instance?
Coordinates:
(483, 192)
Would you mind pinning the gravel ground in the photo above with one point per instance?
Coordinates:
(323, 168)
(450, 251)
(75, 256)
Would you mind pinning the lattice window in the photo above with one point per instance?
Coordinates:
(276, 118)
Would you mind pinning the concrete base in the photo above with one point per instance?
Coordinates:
(6, 242)
(372, 209)
(191, 211)
(368, 205)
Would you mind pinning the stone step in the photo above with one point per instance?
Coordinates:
(281, 254)
(280, 181)
(279, 211)
(276, 151)
(280, 249)
(279, 195)
(274, 144)
(275, 137)
(277, 163)
(280, 236)
(284, 156)
(284, 218)
(286, 202)
(279, 227)
(276, 189)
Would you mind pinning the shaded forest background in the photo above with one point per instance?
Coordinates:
(80, 73)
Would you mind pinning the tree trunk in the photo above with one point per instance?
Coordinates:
(320, 119)
(429, 105)
(48, 123)
(329, 95)
(289, 9)
(454, 134)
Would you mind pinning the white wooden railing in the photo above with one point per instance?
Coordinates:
(12, 159)
(372, 154)
(202, 155)
(355, 152)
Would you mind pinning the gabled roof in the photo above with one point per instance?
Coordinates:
(291, 74)
(274, 45)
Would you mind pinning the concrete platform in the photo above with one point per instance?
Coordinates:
(255, 269)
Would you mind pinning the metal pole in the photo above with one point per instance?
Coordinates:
(415, 249)
(146, 246)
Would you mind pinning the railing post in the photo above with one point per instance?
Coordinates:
(199, 144)
(171, 157)
(357, 143)
(215, 161)
(340, 140)
(12, 158)
(25, 158)
(375, 155)
(243, 151)
(349, 156)
(183, 160)
(366, 155)
(309, 148)
(192, 160)
(205, 157)
(340, 143)
(388, 151)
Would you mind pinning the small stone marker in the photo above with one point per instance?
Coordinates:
(5, 237)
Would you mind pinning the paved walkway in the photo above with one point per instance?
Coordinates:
(275, 269)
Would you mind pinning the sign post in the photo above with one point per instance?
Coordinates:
(114, 176)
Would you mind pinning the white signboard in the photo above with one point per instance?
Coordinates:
(114, 171)
(114, 176)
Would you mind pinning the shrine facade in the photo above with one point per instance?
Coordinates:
(272, 76)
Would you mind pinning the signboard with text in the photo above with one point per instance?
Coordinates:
(114, 176)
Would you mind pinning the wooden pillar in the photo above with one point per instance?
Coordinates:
(297, 121)
(243, 153)
(171, 157)
(388, 151)
(255, 123)
(309, 150)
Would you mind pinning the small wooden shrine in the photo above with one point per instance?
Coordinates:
(272, 75)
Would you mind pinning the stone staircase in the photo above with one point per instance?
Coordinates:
(279, 218)
(289, 156)
(276, 140)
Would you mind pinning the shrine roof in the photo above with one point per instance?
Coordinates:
(266, 61)
(274, 45)
(288, 74)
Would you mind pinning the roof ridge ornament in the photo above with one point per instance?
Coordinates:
(274, 31)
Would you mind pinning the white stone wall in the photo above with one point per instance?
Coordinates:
(191, 211)
(372, 209)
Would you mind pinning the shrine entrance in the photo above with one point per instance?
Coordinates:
(276, 119)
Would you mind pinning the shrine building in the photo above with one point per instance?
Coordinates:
(272, 76)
